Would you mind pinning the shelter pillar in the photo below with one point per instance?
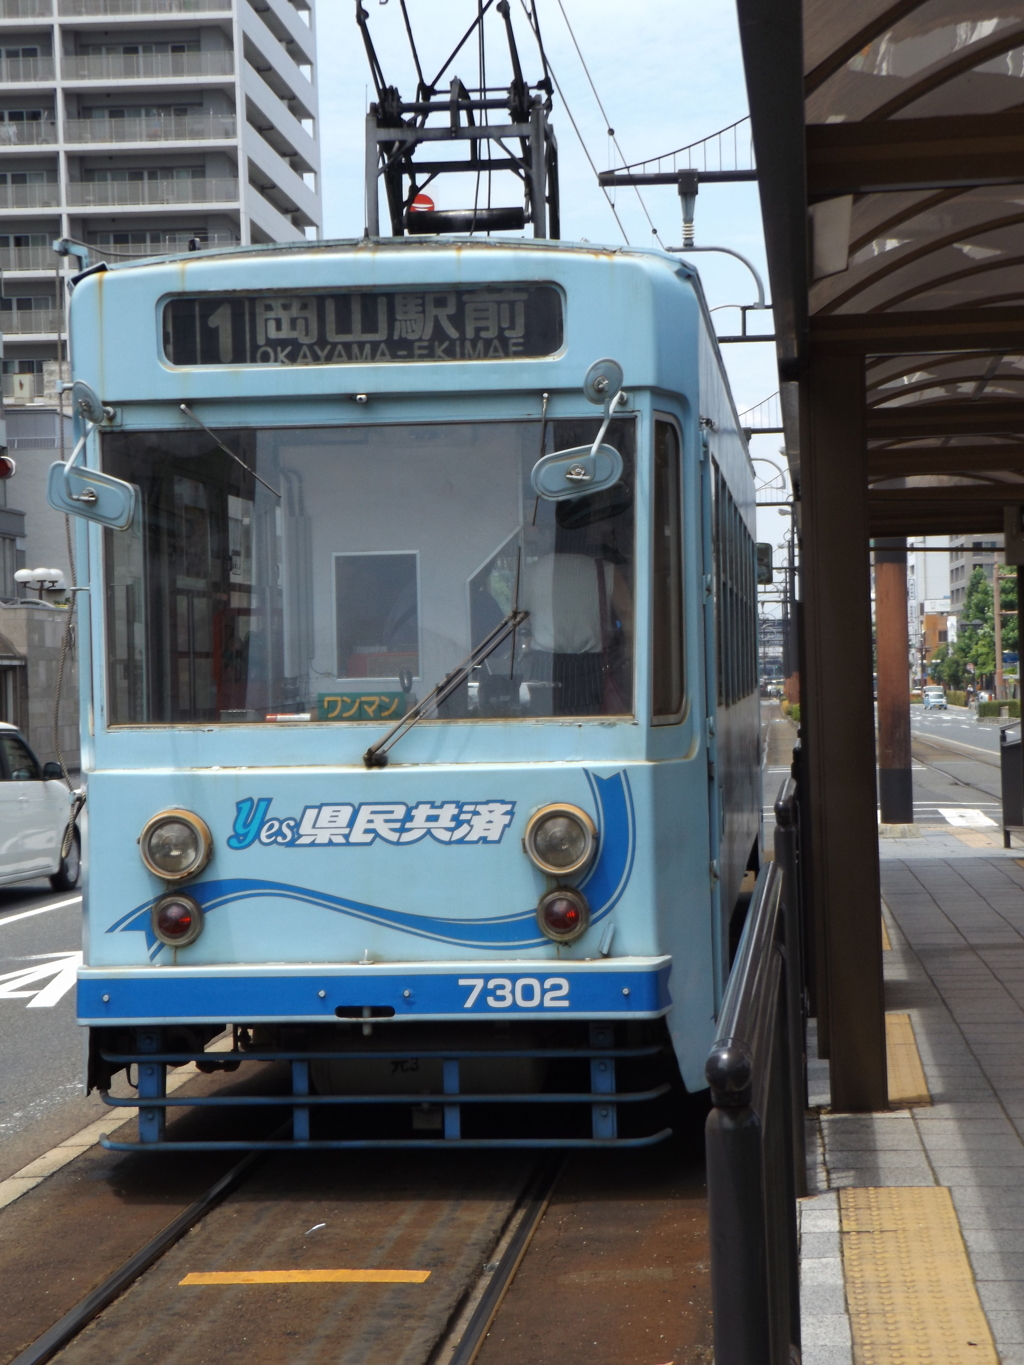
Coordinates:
(837, 705)
(892, 645)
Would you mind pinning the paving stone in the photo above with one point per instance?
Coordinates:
(1005, 1242)
(1002, 1266)
(817, 1300)
(832, 1329)
(827, 1270)
(819, 1245)
(1002, 1296)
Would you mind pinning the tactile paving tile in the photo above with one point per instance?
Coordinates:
(907, 1084)
(886, 942)
(909, 1284)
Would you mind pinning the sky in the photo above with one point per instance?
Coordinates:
(668, 73)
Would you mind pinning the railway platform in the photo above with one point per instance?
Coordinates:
(912, 1235)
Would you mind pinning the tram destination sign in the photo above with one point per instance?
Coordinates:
(495, 322)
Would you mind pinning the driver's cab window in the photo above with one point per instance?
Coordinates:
(19, 764)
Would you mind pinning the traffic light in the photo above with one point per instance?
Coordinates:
(7, 466)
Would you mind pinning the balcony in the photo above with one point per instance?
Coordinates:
(125, 251)
(30, 196)
(84, 8)
(33, 321)
(128, 193)
(39, 133)
(38, 258)
(26, 69)
(26, 9)
(206, 127)
(151, 66)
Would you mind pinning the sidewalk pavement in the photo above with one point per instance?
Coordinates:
(955, 920)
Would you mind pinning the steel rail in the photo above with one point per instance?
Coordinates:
(55, 1338)
(484, 1314)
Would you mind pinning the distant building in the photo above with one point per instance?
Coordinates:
(967, 553)
(135, 128)
(928, 598)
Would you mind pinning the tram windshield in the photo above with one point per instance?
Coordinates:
(387, 555)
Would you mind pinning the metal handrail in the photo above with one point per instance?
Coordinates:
(737, 1057)
(754, 1134)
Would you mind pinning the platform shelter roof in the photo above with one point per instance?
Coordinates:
(889, 137)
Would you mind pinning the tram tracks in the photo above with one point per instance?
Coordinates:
(468, 1322)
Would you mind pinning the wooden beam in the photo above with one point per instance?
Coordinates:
(840, 758)
(957, 418)
(892, 464)
(914, 154)
(946, 329)
(956, 510)
(925, 520)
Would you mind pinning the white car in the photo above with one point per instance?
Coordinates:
(934, 698)
(34, 811)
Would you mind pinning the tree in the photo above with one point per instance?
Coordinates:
(947, 668)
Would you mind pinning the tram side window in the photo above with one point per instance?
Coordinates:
(736, 598)
(667, 587)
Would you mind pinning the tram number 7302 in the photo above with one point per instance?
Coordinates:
(526, 991)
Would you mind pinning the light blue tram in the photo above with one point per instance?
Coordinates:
(419, 682)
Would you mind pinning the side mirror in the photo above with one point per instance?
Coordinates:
(765, 573)
(585, 469)
(81, 492)
(52, 772)
(88, 493)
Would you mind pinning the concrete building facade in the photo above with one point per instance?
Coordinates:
(133, 128)
(967, 553)
(139, 127)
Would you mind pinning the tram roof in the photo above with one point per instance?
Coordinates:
(400, 244)
(889, 138)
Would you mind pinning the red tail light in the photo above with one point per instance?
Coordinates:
(563, 914)
(177, 920)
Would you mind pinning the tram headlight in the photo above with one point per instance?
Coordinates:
(563, 914)
(560, 839)
(175, 844)
(177, 920)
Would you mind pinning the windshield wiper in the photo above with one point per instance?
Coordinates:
(376, 755)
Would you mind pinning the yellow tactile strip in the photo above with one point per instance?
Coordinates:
(907, 1084)
(886, 941)
(909, 1284)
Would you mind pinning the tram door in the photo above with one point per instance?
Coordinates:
(719, 938)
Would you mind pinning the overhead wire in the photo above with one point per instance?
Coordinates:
(576, 129)
(607, 121)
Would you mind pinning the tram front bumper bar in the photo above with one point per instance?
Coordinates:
(612, 988)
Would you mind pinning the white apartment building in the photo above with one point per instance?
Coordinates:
(134, 127)
(967, 553)
(143, 126)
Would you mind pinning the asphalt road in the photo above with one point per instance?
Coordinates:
(40, 1044)
(957, 724)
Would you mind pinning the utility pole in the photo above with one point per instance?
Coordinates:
(998, 606)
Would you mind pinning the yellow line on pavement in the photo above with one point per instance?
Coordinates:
(306, 1277)
(886, 941)
(909, 1285)
(907, 1084)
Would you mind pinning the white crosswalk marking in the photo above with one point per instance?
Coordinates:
(61, 968)
(966, 818)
